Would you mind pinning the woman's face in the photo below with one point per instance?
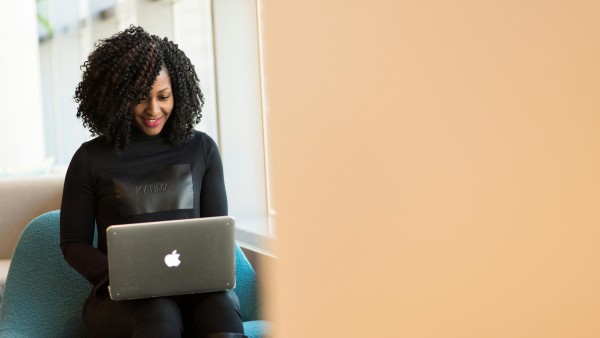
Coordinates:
(151, 114)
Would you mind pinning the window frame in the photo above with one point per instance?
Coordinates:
(238, 62)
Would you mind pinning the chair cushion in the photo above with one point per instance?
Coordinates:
(256, 328)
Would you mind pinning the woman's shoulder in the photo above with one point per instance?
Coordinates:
(88, 149)
(199, 134)
(203, 139)
(205, 146)
(98, 143)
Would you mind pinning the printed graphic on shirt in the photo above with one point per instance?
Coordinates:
(165, 189)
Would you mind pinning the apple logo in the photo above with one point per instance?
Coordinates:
(172, 259)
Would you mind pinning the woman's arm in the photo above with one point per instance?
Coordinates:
(213, 197)
(77, 220)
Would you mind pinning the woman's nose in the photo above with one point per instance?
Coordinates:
(153, 107)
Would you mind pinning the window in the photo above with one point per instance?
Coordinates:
(243, 136)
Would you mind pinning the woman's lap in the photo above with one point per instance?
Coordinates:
(163, 316)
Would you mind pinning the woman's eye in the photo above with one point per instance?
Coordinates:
(163, 98)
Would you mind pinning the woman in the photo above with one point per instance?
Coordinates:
(140, 96)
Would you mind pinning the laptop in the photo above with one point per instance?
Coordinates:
(169, 258)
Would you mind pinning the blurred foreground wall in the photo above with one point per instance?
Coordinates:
(436, 167)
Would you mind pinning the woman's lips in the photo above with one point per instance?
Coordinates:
(152, 123)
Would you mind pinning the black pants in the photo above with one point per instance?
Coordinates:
(197, 315)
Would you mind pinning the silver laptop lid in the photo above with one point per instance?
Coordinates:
(171, 257)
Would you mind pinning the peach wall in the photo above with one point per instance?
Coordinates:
(436, 167)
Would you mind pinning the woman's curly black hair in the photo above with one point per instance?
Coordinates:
(120, 73)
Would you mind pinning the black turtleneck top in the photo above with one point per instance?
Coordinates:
(151, 180)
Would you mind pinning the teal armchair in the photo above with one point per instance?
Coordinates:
(44, 296)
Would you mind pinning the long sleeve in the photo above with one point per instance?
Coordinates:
(77, 220)
(213, 196)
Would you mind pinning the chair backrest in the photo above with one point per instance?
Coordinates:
(21, 200)
(246, 288)
(44, 296)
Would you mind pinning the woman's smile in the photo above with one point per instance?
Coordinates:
(152, 123)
